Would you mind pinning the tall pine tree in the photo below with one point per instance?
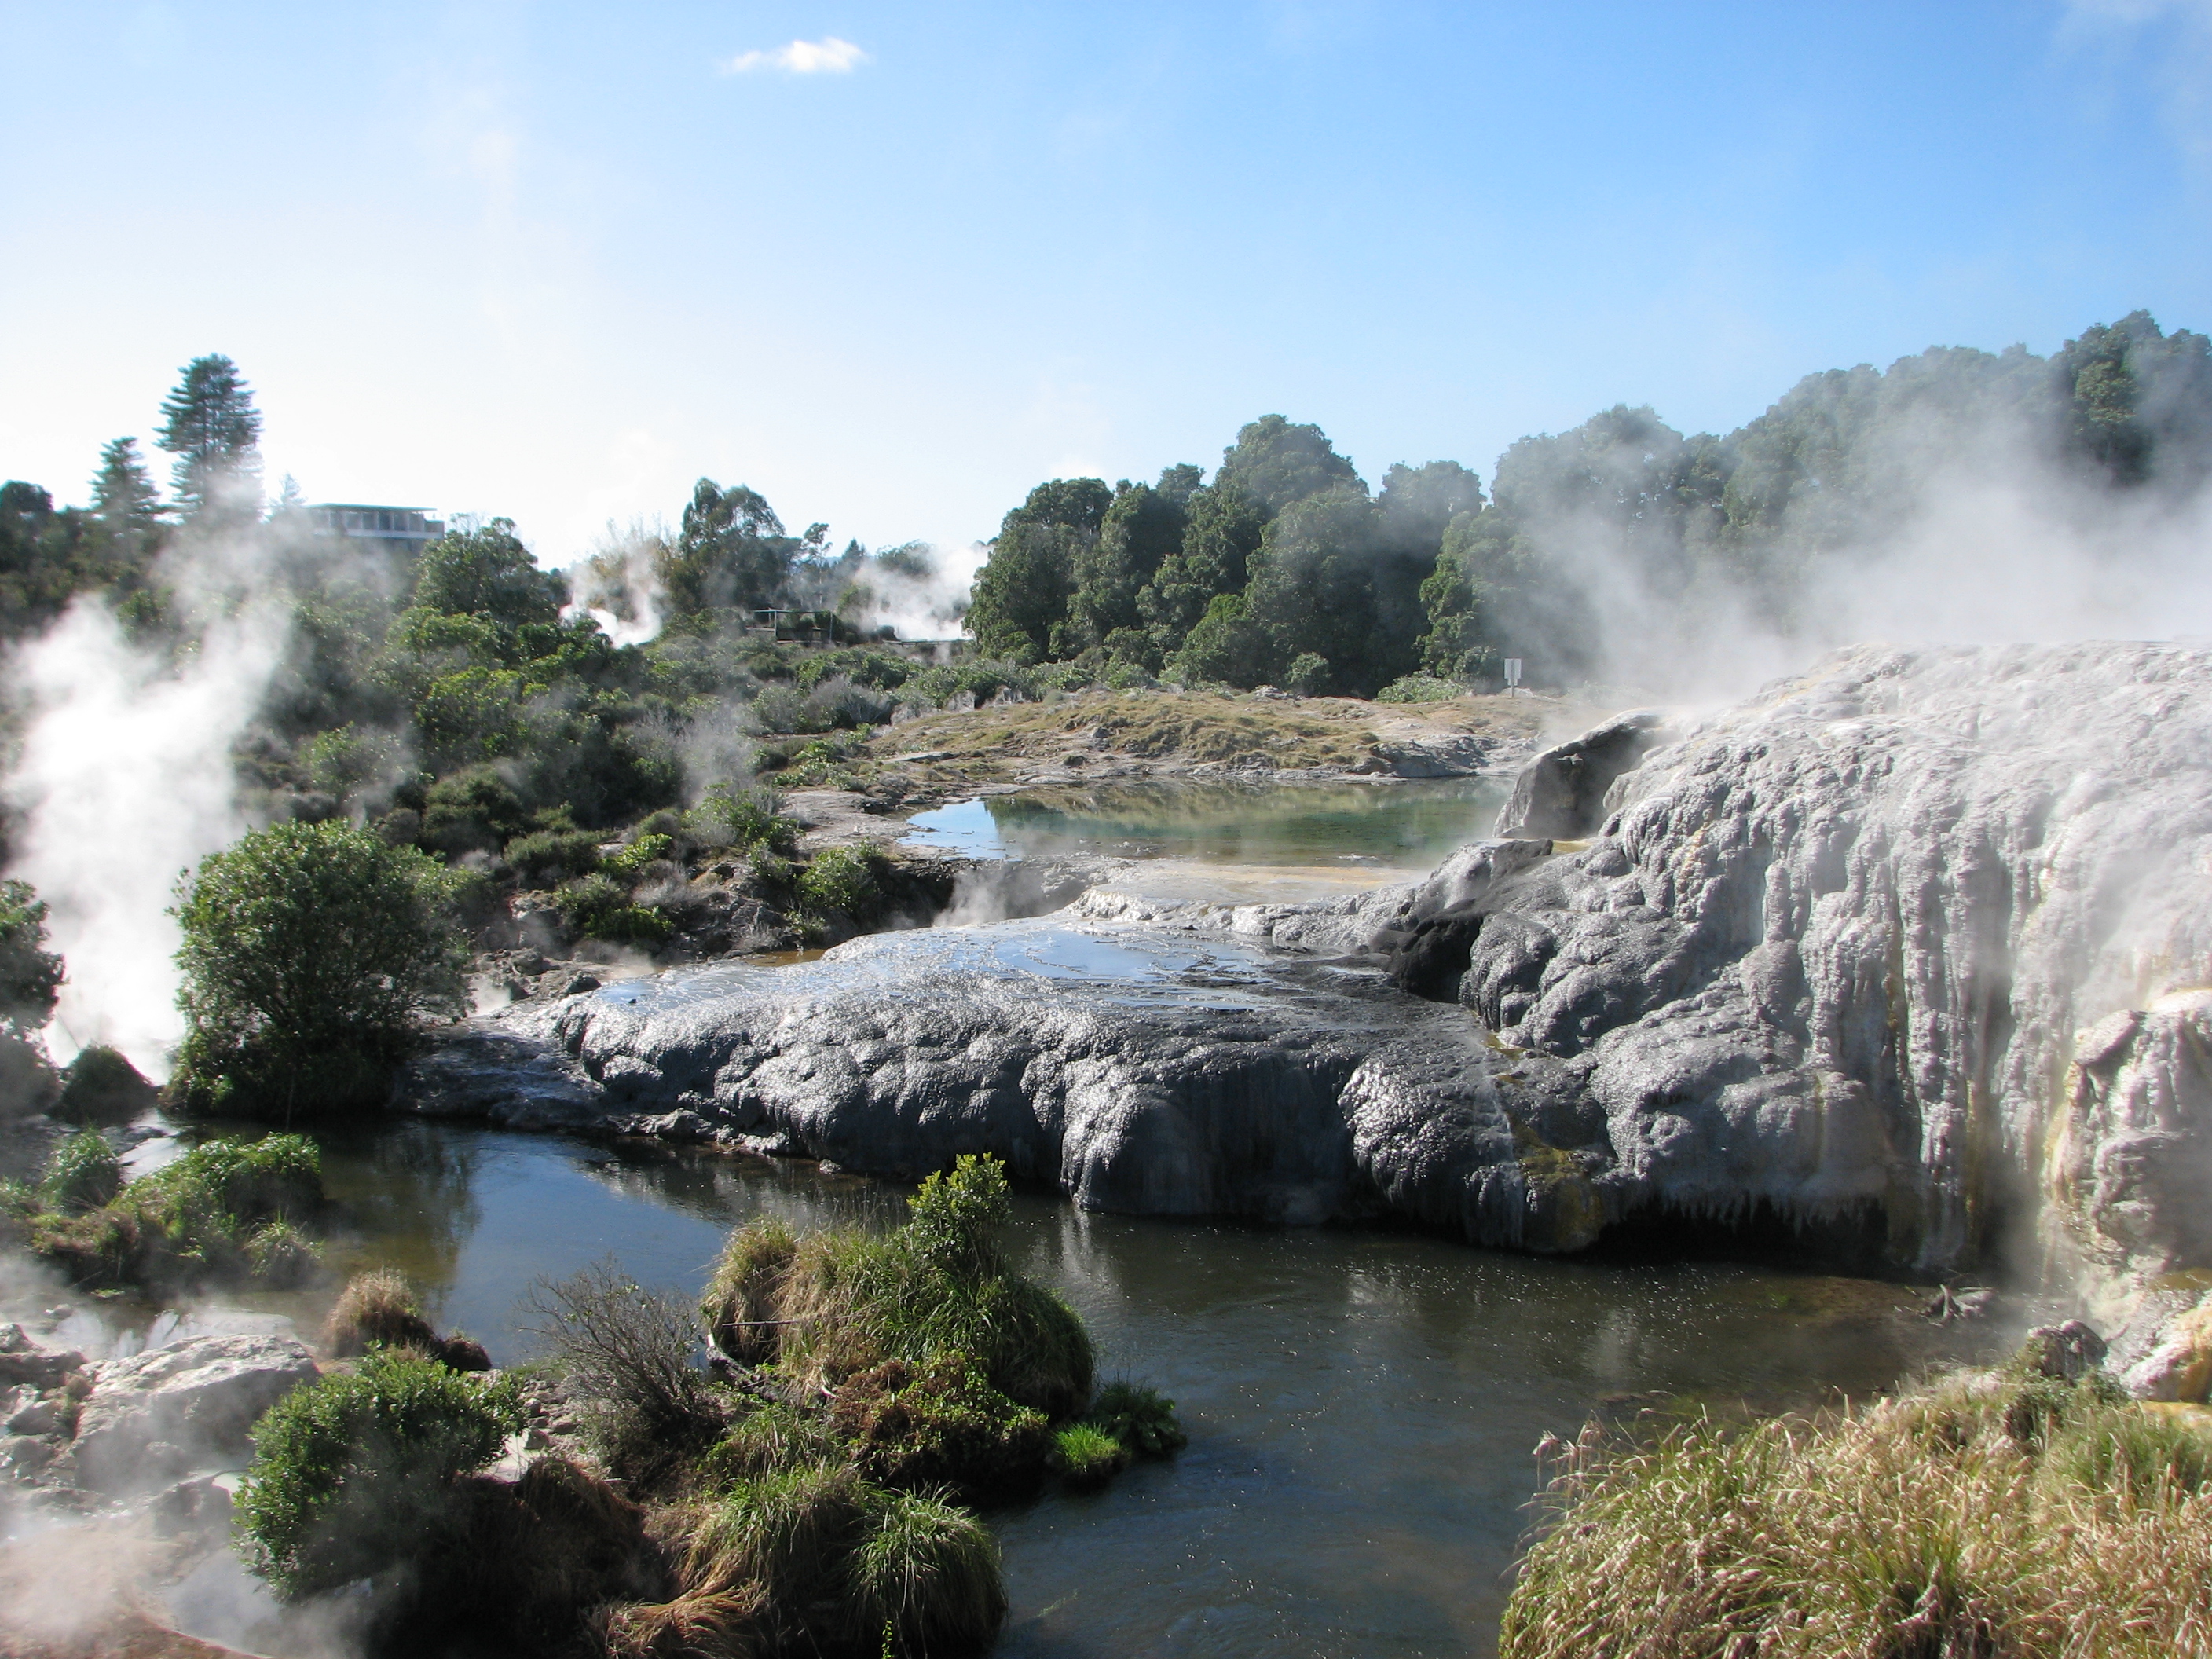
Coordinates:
(213, 430)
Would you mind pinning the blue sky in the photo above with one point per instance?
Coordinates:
(557, 261)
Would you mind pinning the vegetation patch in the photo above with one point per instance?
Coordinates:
(230, 1210)
(807, 1492)
(2006, 1515)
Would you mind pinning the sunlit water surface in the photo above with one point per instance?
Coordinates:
(1362, 1406)
(1227, 842)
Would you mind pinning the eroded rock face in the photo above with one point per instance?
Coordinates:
(1908, 945)
(1835, 947)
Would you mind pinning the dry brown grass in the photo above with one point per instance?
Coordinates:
(999, 744)
(1988, 1516)
(376, 1308)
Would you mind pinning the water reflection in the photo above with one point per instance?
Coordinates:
(1396, 826)
(1362, 1405)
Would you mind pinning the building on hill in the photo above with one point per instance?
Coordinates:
(403, 530)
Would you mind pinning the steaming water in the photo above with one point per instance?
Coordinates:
(1226, 841)
(1362, 1405)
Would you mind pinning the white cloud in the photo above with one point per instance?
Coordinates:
(828, 56)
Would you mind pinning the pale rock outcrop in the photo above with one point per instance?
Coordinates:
(1907, 949)
(154, 1415)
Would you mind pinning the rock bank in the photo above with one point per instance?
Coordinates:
(1906, 951)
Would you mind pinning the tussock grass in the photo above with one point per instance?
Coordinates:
(1990, 1514)
(1087, 1456)
(377, 1309)
(835, 1303)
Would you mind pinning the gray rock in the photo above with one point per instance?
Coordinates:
(2068, 1352)
(152, 1416)
(1909, 946)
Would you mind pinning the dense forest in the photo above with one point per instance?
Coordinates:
(1286, 567)
(468, 699)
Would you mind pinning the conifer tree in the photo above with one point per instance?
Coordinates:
(213, 430)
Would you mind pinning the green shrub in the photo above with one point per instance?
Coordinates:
(745, 818)
(280, 1257)
(82, 1173)
(941, 1424)
(1087, 1456)
(775, 1435)
(473, 809)
(630, 863)
(842, 881)
(955, 1217)
(100, 1086)
(355, 1473)
(1308, 675)
(545, 857)
(597, 906)
(309, 952)
(222, 1189)
(1141, 1418)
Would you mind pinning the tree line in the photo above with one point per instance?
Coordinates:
(1286, 568)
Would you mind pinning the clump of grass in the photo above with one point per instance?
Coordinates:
(376, 1309)
(1989, 1514)
(924, 1572)
(744, 1290)
(844, 1302)
(100, 1086)
(1087, 1457)
(82, 1173)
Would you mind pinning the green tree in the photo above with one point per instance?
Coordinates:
(730, 554)
(1142, 528)
(488, 573)
(211, 426)
(1274, 462)
(1021, 594)
(30, 974)
(1222, 531)
(2137, 403)
(310, 951)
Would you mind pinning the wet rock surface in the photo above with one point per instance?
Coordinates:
(1909, 947)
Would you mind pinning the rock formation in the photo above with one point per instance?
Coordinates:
(1908, 949)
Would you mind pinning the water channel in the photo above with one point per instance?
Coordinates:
(1361, 1404)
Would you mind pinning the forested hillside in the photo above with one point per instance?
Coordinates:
(1287, 568)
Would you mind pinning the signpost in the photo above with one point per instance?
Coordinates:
(1512, 677)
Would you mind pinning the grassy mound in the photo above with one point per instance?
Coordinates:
(2003, 1515)
(379, 1310)
(230, 1210)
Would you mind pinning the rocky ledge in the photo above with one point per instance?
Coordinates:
(1911, 950)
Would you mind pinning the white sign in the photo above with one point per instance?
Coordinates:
(1512, 674)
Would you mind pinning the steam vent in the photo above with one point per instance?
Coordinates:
(1906, 958)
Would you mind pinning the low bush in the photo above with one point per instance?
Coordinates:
(745, 818)
(1420, 688)
(100, 1086)
(597, 906)
(82, 1173)
(227, 1209)
(358, 1473)
(628, 1357)
(1996, 1515)
(1139, 1419)
(940, 1425)
(842, 881)
(545, 858)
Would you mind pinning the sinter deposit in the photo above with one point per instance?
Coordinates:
(1911, 950)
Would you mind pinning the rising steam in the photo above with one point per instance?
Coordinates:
(124, 780)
